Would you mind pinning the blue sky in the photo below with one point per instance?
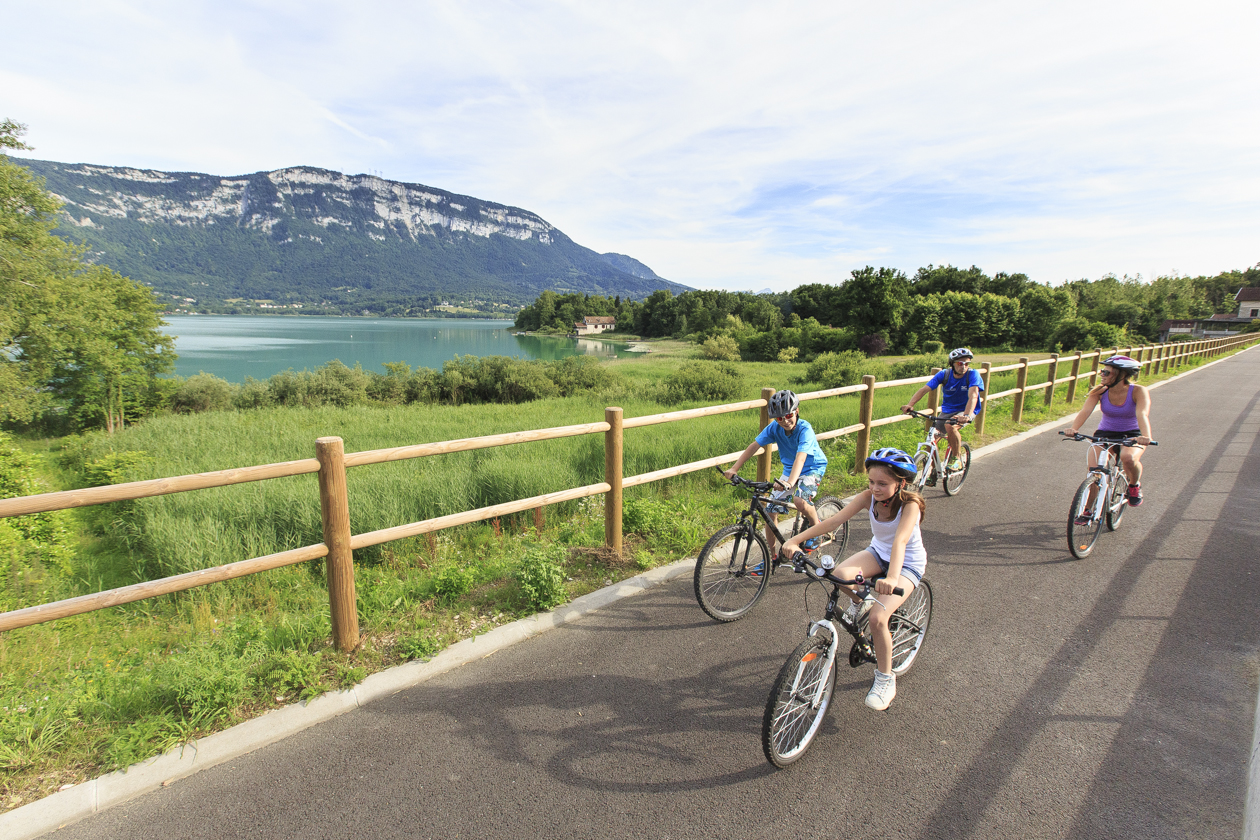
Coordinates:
(726, 145)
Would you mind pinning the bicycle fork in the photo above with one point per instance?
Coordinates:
(831, 663)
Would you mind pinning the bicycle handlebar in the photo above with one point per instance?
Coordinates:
(1113, 441)
(800, 560)
(756, 486)
(948, 418)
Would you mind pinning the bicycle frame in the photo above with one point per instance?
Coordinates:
(1107, 470)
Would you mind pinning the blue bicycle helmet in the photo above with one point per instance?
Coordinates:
(898, 461)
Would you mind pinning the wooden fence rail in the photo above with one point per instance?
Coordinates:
(331, 463)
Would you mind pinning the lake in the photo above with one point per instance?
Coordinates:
(235, 346)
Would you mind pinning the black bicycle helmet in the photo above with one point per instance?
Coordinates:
(959, 353)
(898, 461)
(783, 403)
(1123, 363)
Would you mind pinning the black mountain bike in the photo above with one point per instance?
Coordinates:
(801, 695)
(1109, 487)
(734, 567)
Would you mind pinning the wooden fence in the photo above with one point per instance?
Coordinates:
(331, 462)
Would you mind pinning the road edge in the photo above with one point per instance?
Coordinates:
(64, 807)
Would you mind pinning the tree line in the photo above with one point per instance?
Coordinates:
(882, 309)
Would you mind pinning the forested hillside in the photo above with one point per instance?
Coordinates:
(316, 241)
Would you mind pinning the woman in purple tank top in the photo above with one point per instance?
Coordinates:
(1126, 409)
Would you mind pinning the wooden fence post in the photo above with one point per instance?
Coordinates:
(1076, 369)
(763, 460)
(1093, 371)
(1053, 374)
(612, 477)
(334, 507)
(933, 401)
(1021, 382)
(984, 377)
(866, 410)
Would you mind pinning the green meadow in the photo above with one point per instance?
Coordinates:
(97, 692)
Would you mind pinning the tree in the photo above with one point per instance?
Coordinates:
(873, 300)
(77, 340)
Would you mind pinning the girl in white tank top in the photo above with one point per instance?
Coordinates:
(896, 551)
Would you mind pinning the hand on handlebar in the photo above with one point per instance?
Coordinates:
(907, 408)
(884, 586)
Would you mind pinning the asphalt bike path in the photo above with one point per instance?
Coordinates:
(1055, 698)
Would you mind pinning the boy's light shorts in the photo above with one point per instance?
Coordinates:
(806, 488)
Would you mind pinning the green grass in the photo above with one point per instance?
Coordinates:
(100, 691)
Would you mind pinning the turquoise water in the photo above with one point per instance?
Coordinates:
(236, 346)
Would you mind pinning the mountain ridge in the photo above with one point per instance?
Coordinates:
(324, 242)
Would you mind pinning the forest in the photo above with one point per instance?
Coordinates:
(879, 310)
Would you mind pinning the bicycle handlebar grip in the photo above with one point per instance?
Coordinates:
(897, 590)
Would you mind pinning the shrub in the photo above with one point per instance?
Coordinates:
(919, 365)
(933, 348)
(789, 354)
(835, 370)
(580, 373)
(1081, 334)
(541, 577)
(203, 392)
(873, 344)
(419, 646)
(451, 582)
(253, 394)
(701, 382)
(721, 348)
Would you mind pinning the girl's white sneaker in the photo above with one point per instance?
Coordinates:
(882, 692)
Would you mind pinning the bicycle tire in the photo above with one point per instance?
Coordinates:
(724, 588)
(827, 507)
(1081, 538)
(909, 627)
(953, 480)
(792, 718)
(922, 468)
(1117, 500)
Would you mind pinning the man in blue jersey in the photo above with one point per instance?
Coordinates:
(803, 460)
(962, 387)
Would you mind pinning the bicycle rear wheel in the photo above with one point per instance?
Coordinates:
(909, 626)
(954, 478)
(1081, 538)
(1117, 500)
(798, 702)
(732, 572)
(827, 507)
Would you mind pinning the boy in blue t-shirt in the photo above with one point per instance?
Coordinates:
(962, 387)
(803, 460)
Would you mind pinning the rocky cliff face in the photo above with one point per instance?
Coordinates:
(306, 235)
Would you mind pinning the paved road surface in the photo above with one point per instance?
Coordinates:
(1112, 697)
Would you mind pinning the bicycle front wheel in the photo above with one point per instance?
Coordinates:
(798, 702)
(827, 507)
(1081, 537)
(732, 572)
(1117, 500)
(923, 469)
(909, 626)
(954, 478)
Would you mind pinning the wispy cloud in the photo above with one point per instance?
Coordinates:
(725, 145)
